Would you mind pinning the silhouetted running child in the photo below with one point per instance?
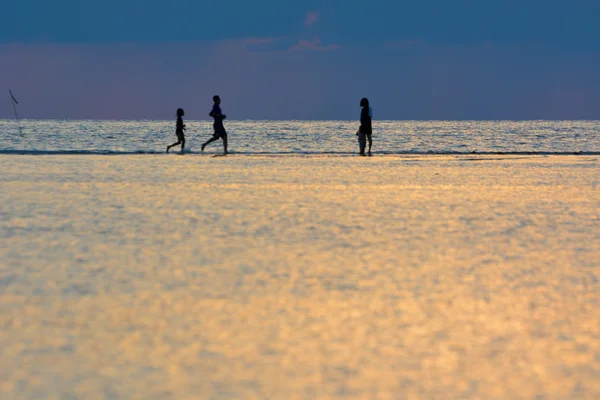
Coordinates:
(365, 130)
(218, 125)
(180, 127)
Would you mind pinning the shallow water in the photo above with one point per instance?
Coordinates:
(294, 277)
(284, 137)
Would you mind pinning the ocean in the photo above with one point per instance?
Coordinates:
(462, 260)
(303, 137)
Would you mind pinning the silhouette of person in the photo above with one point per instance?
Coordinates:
(179, 128)
(365, 130)
(217, 125)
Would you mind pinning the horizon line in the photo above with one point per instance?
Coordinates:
(308, 120)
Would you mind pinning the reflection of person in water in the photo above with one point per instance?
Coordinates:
(365, 130)
(179, 128)
(218, 125)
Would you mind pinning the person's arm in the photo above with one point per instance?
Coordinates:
(363, 115)
(217, 114)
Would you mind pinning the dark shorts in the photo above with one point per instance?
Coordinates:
(180, 136)
(220, 133)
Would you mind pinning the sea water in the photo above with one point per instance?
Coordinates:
(304, 137)
(292, 269)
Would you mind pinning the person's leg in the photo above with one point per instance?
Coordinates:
(224, 137)
(361, 143)
(209, 141)
(370, 143)
(174, 144)
(182, 144)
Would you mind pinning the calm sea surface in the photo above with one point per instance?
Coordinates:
(427, 273)
(275, 137)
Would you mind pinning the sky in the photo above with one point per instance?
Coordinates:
(426, 59)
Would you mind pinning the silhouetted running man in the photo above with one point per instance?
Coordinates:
(365, 130)
(218, 125)
(179, 128)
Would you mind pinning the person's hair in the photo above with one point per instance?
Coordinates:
(180, 112)
(364, 102)
(215, 98)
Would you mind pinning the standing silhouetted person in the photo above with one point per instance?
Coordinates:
(218, 125)
(365, 130)
(179, 128)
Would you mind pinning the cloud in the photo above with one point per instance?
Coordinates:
(140, 81)
(312, 17)
(314, 44)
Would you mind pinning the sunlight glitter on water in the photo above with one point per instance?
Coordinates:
(284, 137)
(299, 277)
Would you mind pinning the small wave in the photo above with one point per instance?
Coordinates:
(421, 152)
(77, 152)
(300, 153)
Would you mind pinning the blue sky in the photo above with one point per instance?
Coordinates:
(307, 60)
